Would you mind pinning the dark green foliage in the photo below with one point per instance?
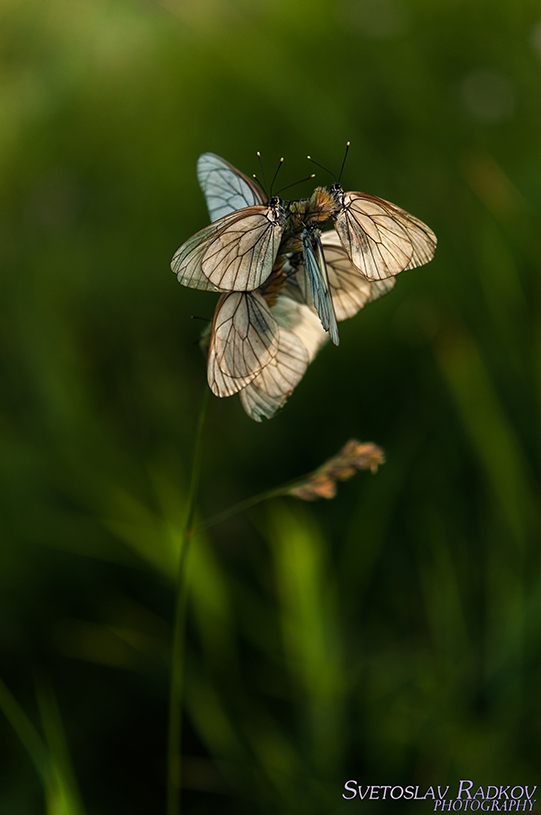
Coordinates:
(391, 635)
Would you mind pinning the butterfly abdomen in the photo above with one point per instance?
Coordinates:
(275, 283)
(322, 206)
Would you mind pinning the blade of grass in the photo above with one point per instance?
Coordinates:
(492, 435)
(504, 462)
(62, 791)
(310, 631)
(174, 768)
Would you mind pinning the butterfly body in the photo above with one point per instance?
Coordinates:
(316, 269)
(316, 210)
(306, 218)
(276, 281)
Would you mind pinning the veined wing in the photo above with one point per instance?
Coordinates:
(302, 321)
(380, 238)
(300, 337)
(235, 253)
(319, 282)
(244, 339)
(225, 188)
(350, 290)
(268, 391)
(186, 262)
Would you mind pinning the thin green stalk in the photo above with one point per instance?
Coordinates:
(240, 507)
(174, 768)
(353, 456)
(61, 788)
(275, 492)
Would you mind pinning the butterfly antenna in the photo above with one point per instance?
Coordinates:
(276, 173)
(320, 165)
(264, 188)
(344, 161)
(197, 317)
(308, 177)
(260, 184)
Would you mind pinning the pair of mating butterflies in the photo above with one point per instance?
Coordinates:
(285, 284)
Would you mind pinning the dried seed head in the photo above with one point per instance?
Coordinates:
(354, 456)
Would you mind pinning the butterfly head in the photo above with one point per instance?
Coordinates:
(337, 194)
(276, 210)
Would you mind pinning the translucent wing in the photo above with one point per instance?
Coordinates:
(380, 238)
(235, 253)
(319, 282)
(268, 391)
(300, 337)
(225, 188)
(244, 339)
(350, 290)
(302, 321)
(187, 260)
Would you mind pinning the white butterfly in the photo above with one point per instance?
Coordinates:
(285, 283)
(259, 349)
(380, 238)
(237, 251)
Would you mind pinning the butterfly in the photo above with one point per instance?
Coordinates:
(380, 238)
(284, 281)
(247, 336)
(237, 251)
(260, 349)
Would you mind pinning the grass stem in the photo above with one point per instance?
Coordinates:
(243, 505)
(174, 755)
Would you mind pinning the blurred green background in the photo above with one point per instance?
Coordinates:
(390, 636)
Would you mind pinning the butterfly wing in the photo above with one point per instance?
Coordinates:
(380, 238)
(187, 260)
(225, 188)
(319, 283)
(302, 321)
(300, 335)
(235, 253)
(350, 290)
(244, 340)
(268, 391)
